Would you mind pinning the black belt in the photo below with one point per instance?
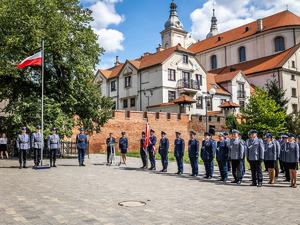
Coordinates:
(81, 141)
(53, 143)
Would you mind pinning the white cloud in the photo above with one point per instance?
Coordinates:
(234, 13)
(111, 40)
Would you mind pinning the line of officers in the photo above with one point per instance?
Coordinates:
(232, 151)
(36, 142)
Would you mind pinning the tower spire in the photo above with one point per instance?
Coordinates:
(214, 27)
(173, 20)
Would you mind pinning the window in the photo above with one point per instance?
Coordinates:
(294, 92)
(293, 77)
(185, 59)
(241, 91)
(209, 104)
(171, 96)
(242, 105)
(199, 104)
(125, 103)
(295, 107)
(242, 54)
(132, 102)
(113, 85)
(215, 86)
(199, 79)
(171, 74)
(293, 64)
(114, 106)
(186, 79)
(214, 62)
(127, 81)
(222, 101)
(279, 44)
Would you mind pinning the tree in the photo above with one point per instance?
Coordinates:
(231, 122)
(71, 56)
(293, 123)
(262, 113)
(276, 93)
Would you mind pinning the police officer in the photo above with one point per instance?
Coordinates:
(277, 154)
(193, 153)
(163, 151)
(143, 151)
(292, 160)
(255, 156)
(179, 147)
(81, 141)
(23, 144)
(53, 145)
(243, 161)
(284, 147)
(236, 154)
(111, 139)
(208, 151)
(222, 156)
(37, 143)
(270, 157)
(151, 149)
(280, 143)
(123, 146)
(228, 162)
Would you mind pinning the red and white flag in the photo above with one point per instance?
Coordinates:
(35, 59)
(147, 135)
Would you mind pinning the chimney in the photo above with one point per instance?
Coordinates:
(259, 25)
(117, 63)
(159, 49)
(147, 53)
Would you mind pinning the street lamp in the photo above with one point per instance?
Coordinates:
(148, 96)
(212, 92)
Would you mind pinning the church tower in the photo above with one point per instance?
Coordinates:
(173, 33)
(214, 27)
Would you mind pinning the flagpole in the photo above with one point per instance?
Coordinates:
(42, 103)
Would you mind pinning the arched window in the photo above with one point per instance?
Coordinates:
(214, 62)
(242, 54)
(279, 44)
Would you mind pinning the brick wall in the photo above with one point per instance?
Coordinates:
(133, 123)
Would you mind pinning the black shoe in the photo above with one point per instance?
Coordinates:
(54, 165)
(37, 164)
(259, 185)
(165, 170)
(151, 168)
(24, 166)
(191, 175)
(221, 179)
(50, 164)
(209, 177)
(281, 171)
(224, 180)
(20, 166)
(82, 164)
(162, 170)
(205, 177)
(234, 182)
(177, 173)
(239, 182)
(144, 167)
(253, 184)
(195, 175)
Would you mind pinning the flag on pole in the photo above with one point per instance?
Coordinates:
(35, 59)
(147, 135)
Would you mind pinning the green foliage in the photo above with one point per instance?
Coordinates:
(71, 56)
(263, 114)
(231, 122)
(293, 123)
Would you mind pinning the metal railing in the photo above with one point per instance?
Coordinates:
(189, 83)
(241, 94)
(69, 149)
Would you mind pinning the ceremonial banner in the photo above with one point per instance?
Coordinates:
(35, 59)
(147, 135)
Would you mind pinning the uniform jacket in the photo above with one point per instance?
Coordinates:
(245, 148)
(292, 153)
(142, 144)
(193, 148)
(3, 141)
(236, 150)
(81, 141)
(208, 149)
(255, 149)
(152, 143)
(37, 140)
(283, 147)
(277, 148)
(179, 147)
(53, 141)
(271, 151)
(163, 146)
(222, 150)
(110, 140)
(23, 141)
(123, 143)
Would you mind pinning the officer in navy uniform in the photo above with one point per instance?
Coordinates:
(292, 160)
(193, 153)
(23, 144)
(243, 162)
(222, 156)
(270, 156)
(37, 143)
(255, 156)
(163, 151)
(236, 155)
(208, 151)
(276, 142)
(228, 162)
(111, 139)
(284, 147)
(179, 147)
(280, 162)
(53, 145)
(151, 149)
(81, 141)
(123, 146)
(143, 152)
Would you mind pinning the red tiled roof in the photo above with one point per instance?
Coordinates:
(214, 112)
(112, 72)
(184, 99)
(262, 64)
(226, 76)
(164, 104)
(281, 19)
(229, 104)
(210, 79)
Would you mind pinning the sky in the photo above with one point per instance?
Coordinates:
(129, 28)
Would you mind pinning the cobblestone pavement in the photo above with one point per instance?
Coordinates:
(70, 194)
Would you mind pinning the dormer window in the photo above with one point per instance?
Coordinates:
(185, 59)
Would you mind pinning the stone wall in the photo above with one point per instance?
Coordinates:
(133, 123)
